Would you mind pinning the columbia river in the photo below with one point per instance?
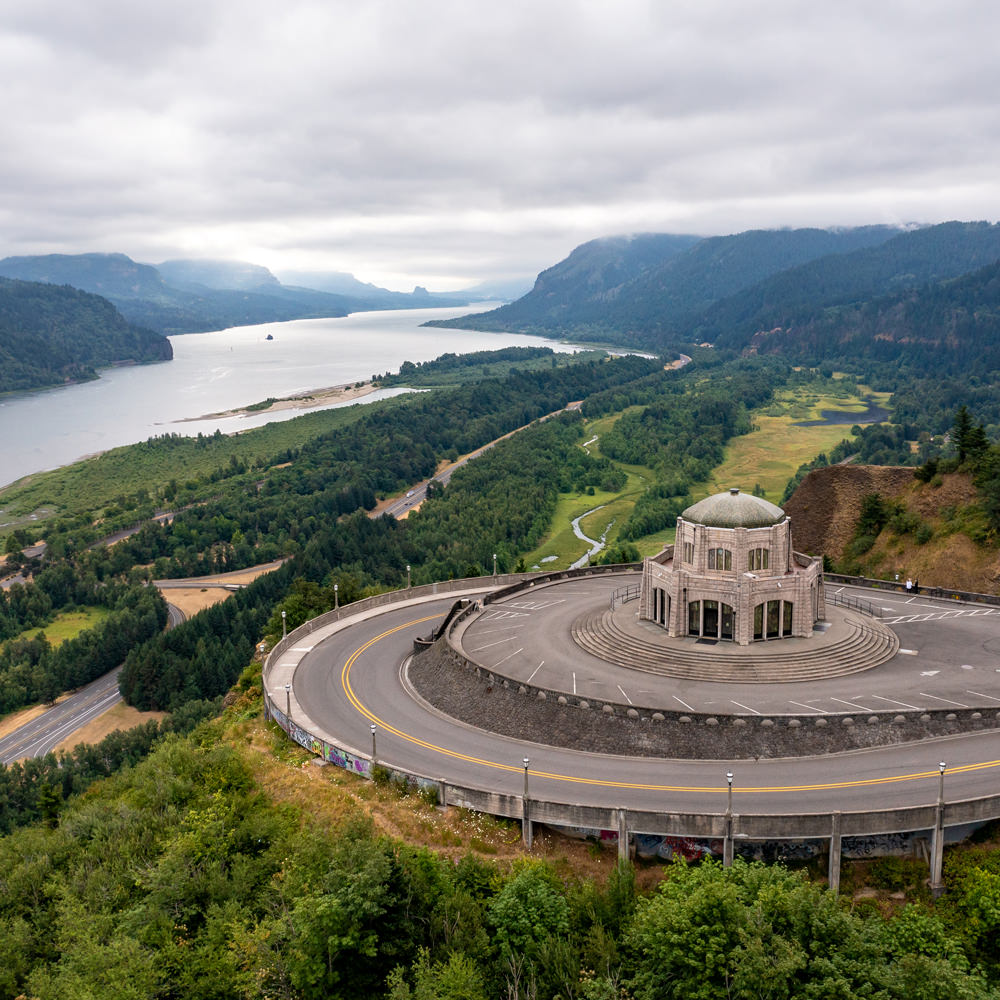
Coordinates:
(215, 372)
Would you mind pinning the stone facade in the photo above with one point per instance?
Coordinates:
(732, 575)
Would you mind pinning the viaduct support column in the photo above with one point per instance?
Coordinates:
(833, 858)
(622, 835)
(937, 839)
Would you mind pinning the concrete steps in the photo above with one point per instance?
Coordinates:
(866, 642)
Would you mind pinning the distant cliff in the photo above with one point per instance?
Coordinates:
(51, 334)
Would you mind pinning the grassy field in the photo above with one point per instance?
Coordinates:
(777, 446)
(67, 625)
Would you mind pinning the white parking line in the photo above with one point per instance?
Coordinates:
(747, 707)
(812, 708)
(684, 703)
(894, 701)
(979, 694)
(535, 671)
(490, 645)
(507, 657)
(850, 704)
(947, 701)
(574, 682)
(624, 695)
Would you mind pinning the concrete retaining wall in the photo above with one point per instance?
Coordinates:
(499, 704)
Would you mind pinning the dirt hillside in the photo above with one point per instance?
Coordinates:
(826, 507)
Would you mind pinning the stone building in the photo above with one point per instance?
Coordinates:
(732, 575)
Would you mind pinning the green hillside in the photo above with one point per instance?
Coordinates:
(51, 334)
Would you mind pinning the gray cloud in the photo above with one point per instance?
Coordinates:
(446, 141)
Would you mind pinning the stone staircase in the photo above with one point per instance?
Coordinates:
(863, 644)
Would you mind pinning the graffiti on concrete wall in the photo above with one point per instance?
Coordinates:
(328, 752)
(900, 844)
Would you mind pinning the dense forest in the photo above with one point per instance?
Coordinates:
(181, 876)
(51, 334)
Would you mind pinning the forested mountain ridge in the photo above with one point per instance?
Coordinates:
(810, 295)
(907, 261)
(51, 334)
(649, 289)
(951, 327)
(191, 296)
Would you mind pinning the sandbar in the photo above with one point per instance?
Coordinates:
(300, 401)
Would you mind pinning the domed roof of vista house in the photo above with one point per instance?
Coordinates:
(734, 510)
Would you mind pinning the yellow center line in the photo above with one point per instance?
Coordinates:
(345, 679)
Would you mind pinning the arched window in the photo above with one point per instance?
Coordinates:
(720, 559)
(759, 559)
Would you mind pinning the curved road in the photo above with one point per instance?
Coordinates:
(356, 676)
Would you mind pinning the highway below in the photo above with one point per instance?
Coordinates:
(43, 734)
(357, 676)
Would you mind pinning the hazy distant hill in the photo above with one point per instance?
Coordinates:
(188, 296)
(52, 333)
(575, 291)
(649, 289)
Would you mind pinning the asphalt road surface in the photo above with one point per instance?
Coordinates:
(41, 735)
(950, 655)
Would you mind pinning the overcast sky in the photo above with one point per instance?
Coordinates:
(441, 143)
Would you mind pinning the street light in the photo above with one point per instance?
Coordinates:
(288, 701)
(407, 576)
(941, 766)
(526, 763)
(494, 564)
(284, 624)
(727, 848)
(336, 596)
(373, 727)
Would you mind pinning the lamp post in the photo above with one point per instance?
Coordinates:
(284, 624)
(336, 596)
(373, 727)
(494, 564)
(526, 831)
(727, 849)
(407, 576)
(941, 768)
(288, 702)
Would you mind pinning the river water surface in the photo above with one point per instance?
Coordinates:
(213, 372)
